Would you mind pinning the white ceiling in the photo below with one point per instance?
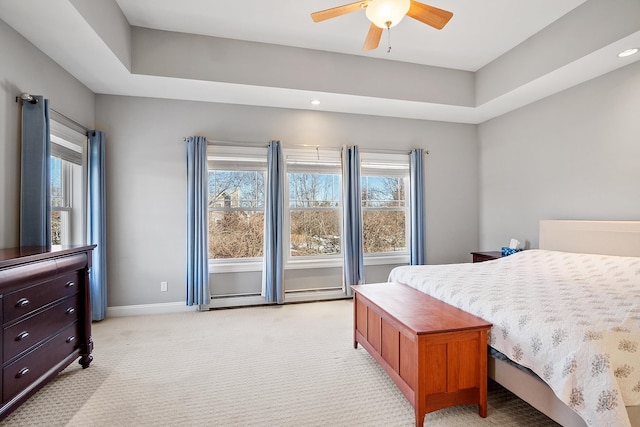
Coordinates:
(70, 31)
(479, 32)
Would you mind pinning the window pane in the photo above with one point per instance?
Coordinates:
(61, 233)
(236, 234)
(315, 224)
(236, 189)
(314, 190)
(236, 217)
(384, 231)
(65, 218)
(57, 184)
(384, 214)
(56, 228)
(315, 232)
(383, 192)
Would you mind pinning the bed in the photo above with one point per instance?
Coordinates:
(566, 316)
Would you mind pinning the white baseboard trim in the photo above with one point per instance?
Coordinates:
(236, 301)
(314, 296)
(143, 309)
(223, 302)
(289, 297)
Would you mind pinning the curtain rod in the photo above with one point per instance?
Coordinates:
(24, 96)
(236, 143)
(27, 97)
(261, 143)
(68, 122)
(309, 146)
(388, 151)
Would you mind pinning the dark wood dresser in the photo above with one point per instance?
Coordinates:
(46, 317)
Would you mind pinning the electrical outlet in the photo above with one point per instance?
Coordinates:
(163, 287)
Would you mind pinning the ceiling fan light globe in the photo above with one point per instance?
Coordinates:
(387, 13)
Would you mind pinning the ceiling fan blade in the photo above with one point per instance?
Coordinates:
(437, 18)
(373, 38)
(338, 11)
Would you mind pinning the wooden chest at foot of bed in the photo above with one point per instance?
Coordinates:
(435, 353)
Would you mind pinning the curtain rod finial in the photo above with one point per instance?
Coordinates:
(24, 96)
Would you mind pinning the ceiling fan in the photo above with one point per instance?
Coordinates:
(386, 14)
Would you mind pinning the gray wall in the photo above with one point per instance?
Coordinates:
(24, 68)
(574, 155)
(236, 61)
(146, 186)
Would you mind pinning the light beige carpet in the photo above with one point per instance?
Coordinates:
(262, 366)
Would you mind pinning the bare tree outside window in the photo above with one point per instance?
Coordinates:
(236, 211)
(314, 214)
(384, 214)
(57, 200)
(61, 200)
(236, 214)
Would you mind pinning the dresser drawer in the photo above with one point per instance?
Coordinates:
(20, 302)
(30, 331)
(18, 375)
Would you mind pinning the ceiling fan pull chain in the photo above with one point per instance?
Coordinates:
(389, 38)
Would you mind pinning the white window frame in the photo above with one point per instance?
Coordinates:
(74, 181)
(247, 158)
(392, 165)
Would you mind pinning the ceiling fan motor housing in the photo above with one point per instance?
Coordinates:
(387, 13)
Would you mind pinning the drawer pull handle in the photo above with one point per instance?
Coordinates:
(71, 310)
(69, 284)
(22, 302)
(22, 335)
(70, 339)
(22, 372)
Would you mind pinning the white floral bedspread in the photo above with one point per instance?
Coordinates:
(574, 319)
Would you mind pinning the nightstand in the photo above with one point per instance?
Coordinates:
(486, 256)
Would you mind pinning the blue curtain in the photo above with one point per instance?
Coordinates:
(197, 234)
(273, 271)
(353, 268)
(35, 191)
(416, 185)
(96, 223)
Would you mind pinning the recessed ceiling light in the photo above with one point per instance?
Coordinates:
(315, 102)
(628, 52)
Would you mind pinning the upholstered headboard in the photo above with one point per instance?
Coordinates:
(592, 237)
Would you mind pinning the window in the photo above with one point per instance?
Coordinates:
(60, 200)
(314, 204)
(385, 213)
(68, 177)
(313, 212)
(236, 203)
